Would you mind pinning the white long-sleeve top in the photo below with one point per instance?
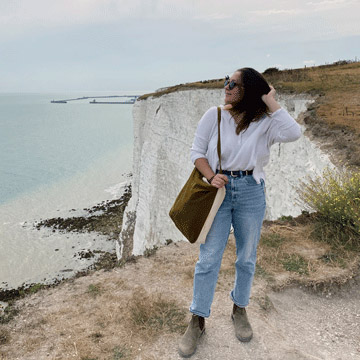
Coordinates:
(250, 150)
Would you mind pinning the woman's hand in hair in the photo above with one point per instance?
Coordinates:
(269, 95)
(219, 180)
(269, 100)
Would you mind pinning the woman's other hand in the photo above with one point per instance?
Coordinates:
(269, 100)
(219, 181)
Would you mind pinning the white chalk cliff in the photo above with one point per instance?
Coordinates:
(164, 129)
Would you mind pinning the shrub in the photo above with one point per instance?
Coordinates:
(335, 196)
(270, 71)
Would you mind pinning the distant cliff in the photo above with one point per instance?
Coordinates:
(164, 129)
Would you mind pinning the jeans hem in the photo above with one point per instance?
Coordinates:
(198, 313)
(236, 303)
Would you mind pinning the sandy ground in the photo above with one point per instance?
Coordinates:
(292, 324)
(299, 326)
(63, 322)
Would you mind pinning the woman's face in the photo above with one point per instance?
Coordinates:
(234, 95)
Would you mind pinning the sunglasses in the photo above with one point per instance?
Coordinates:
(231, 84)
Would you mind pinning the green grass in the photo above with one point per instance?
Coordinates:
(120, 352)
(272, 240)
(262, 273)
(150, 251)
(295, 263)
(285, 218)
(9, 313)
(33, 289)
(94, 290)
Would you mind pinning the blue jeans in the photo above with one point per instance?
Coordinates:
(244, 208)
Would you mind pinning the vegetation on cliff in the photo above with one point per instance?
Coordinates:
(335, 114)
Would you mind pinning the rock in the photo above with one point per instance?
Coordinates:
(164, 129)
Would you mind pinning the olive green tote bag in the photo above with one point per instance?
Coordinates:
(198, 202)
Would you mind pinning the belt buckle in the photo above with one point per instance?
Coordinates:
(233, 175)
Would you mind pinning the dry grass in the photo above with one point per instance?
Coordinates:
(205, 84)
(152, 313)
(288, 253)
(334, 117)
(338, 85)
(139, 310)
(4, 336)
(115, 314)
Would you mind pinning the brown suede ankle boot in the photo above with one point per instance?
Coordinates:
(242, 326)
(188, 342)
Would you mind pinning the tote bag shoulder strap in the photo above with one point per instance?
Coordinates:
(219, 140)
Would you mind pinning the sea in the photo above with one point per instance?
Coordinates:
(56, 159)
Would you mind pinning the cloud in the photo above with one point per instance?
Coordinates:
(19, 18)
(276, 12)
(309, 62)
(326, 5)
(214, 16)
(46, 14)
(329, 2)
(301, 20)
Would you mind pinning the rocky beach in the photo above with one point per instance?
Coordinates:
(104, 218)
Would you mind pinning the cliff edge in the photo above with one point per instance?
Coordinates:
(164, 128)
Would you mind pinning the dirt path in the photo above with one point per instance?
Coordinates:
(299, 326)
(288, 325)
(88, 318)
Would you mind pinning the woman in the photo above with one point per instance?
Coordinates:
(251, 121)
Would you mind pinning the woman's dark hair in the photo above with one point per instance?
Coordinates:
(250, 106)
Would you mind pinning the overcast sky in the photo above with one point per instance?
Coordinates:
(142, 45)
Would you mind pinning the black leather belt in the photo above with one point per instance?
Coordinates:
(236, 173)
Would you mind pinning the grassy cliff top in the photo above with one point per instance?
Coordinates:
(337, 85)
(335, 115)
(314, 80)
